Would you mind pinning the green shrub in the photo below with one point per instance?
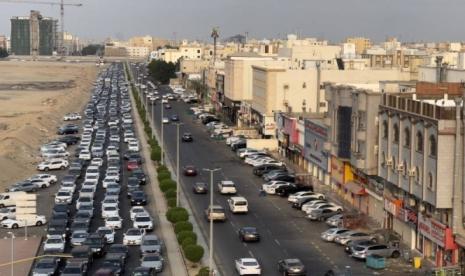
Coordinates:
(204, 271)
(171, 202)
(162, 168)
(186, 235)
(164, 175)
(171, 193)
(167, 185)
(194, 253)
(186, 242)
(177, 214)
(155, 154)
(182, 226)
(153, 142)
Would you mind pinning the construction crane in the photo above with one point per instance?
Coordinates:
(62, 15)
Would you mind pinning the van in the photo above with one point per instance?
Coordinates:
(227, 187)
(9, 199)
(238, 204)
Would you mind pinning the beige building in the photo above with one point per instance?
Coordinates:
(141, 41)
(361, 44)
(189, 66)
(137, 51)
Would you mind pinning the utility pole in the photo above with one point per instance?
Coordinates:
(215, 34)
(210, 261)
(177, 163)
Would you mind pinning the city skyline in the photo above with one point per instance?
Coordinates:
(330, 20)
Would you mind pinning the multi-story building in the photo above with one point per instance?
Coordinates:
(141, 52)
(33, 35)
(361, 44)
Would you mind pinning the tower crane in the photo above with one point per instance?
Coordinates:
(62, 5)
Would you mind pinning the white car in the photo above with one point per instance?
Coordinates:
(58, 164)
(96, 162)
(309, 205)
(248, 266)
(114, 222)
(304, 194)
(84, 201)
(133, 236)
(127, 120)
(110, 202)
(252, 158)
(247, 152)
(112, 176)
(107, 182)
(136, 210)
(265, 160)
(31, 220)
(115, 138)
(54, 244)
(165, 119)
(330, 206)
(72, 117)
(47, 148)
(8, 213)
(40, 183)
(112, 150)
(227, 187)
(110, 211)
(63, 196)
(85, 155)
(143, 221)
(92, 178)
(133, 146)
(271, 162)
(50, 178)
(108, 233)
(70, 187)
(87, 192)
(270, 187)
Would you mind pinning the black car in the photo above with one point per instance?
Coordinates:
(187, 137)
(79, 225)
(68, 129)
(299, 203)
(57, 227)
(118, 250)
(239, 145)
(116, 263)
(82, 253)
(69, 139)
(143, 271)
(133, 156)
(266, 168)
(286, 190)
(200, 188)
(140, 175)
(46, 266)
(209, 119)
(96, 243)
(138, 198)
(247, 234)
(61, 208)
(291, 267)
(174, 118)
(132, 187)
(282, 177)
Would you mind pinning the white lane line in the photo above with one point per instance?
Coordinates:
(277, 242)
(232, 223)
(251, 254)
(255, 215)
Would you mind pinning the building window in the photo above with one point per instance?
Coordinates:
(383, 160)
(432, 146)
(304, 85)
(419, 147)
(396, 134)
(405, 169)
(394, 168)
(385, 130)
(417, 175)
(198, 51)
(430, 181)
(407, 137)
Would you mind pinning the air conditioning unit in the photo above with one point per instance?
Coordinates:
(389, 162)
(400, 167)
(375, 149)
(412, 172)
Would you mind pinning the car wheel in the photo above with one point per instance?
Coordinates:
(2, 205)
(339, 210)
(14, 226)
(374, 240)
(39, 223)
(395, 254)
(43, 186)
(46, 169)
(321, 198)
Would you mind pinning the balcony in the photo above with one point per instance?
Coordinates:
(361, 134)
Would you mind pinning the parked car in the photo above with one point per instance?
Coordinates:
(291, 267)
(353, 235)
(59, 164)
(321, 214)
(362, 251)
(330, 234)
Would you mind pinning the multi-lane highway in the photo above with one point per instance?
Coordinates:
(285, 232)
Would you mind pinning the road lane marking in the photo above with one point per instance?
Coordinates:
(277, 242)
(251, 254)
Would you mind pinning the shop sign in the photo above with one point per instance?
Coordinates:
(406, 215)
(314, 139)
(432, 229)
(269, 127)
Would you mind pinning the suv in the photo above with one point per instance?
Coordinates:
(96, 243)
(82, 253)
(215, 212)
(227, 187)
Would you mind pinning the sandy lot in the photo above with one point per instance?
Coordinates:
(34, 96)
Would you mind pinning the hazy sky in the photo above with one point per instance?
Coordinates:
(425, 20)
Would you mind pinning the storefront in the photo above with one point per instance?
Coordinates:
(341, 174)
(315, 155)
(436, 242)
(402, 220)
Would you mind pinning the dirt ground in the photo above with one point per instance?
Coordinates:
(34, 96)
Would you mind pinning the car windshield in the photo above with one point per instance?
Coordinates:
(54, 241)
(105, 231)
(134, 232)
(250, 263)
(80, 235)
(294, 262)
(240, 203)
(151, 258)
(151, 242)
(72, 270)
(113, 219)
(45, 265)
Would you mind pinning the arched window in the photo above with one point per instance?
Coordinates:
(432, 146)
(417, 175)
(385, 129)
(430, 181)
(396, 134)
(419, 146)
(407, 137)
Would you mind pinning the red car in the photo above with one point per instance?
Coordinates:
(133, 165)
(190, 171)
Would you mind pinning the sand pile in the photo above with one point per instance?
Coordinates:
(34, 96)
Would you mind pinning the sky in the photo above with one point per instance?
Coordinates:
(408, 20)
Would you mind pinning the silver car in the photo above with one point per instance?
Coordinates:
(45, 266)
(335, 221)
(150, 244)
(153, 260)
(78, 237)
(363, 251)
(349, 236)
(330, 234)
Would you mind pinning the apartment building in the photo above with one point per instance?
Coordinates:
(138, 52)
(360, 43)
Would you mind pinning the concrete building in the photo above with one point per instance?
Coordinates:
(4, 42)
(360, 43)
(142, 52)
(33, 35)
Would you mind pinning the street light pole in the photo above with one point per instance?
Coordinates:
(162, 136)
(177, 163)
(152, 119)
(12, 253)
(210, 261)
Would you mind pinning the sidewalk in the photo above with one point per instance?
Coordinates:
(173, 251)
(23, 253)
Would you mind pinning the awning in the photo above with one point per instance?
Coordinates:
(355, 188)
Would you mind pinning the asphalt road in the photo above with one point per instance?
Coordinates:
(46, 203)
(285, 232)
